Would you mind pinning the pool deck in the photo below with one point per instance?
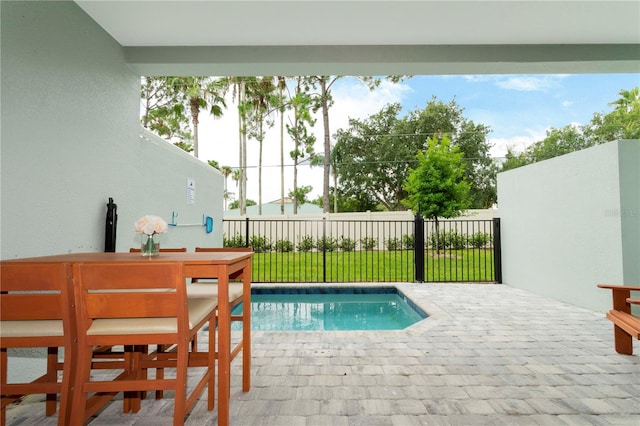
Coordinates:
(488, 354)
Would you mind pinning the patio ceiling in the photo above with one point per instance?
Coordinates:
(373, 37)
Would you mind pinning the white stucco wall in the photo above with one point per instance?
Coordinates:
(70, 140)
(562, 227)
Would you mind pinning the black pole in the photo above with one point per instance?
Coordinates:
(111, 226)
(246, 232)
(324, 249)
(418, 247)
(497, 250)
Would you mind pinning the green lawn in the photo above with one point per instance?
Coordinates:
(465, 265)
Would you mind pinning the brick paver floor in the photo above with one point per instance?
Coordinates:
(488, 354)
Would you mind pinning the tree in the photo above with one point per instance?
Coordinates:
(235, 205)
(198, 93)
(621, 123)
(375, 153)
(262, 103)
(298, 130)
(226, 172)
(374, 160)
(324, 101)
(163, 113)
(438, 119)
(300, 194)
(437, 186)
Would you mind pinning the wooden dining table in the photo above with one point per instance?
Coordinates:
(212, 265)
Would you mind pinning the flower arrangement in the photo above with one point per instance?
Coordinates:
(150, 225)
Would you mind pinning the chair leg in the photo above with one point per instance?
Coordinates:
(623, 341)
(211, 387)
(182, 365)
(83, 372)
(3, 380)
(52, 376)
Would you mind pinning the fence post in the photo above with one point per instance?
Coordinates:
(246, 232)
(418, 247)
(497, 251)
(324, 249)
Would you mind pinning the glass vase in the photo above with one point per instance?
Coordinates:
(149, 246)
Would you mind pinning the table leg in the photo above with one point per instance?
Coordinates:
(246, 328)
(224, 348)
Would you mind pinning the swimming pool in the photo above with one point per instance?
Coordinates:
(331, 308)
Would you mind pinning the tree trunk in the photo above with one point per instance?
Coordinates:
(195, 111)
(327, 146)
(260, 167)
(281, 157)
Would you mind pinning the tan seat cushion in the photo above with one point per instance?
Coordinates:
(210, 289)
(199, 307)
(31, 328)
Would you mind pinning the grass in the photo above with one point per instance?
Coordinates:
(467, 265)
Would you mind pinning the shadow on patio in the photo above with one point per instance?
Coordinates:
(489, 354)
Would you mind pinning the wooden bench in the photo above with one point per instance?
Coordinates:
(626, 326)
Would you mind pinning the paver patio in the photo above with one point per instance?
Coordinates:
(489, 354)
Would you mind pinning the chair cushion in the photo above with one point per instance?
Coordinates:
(210, 289)
(199, 308)
(31, 328)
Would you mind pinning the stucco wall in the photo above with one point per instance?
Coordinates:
(71, 139)
(568, 224)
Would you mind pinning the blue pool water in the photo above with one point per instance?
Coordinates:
(330, 308)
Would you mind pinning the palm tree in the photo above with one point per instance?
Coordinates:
(238, 87)
(226, 171)
(282, 85)
(200, 93)
(261, 100)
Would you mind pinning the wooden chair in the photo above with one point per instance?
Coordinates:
(626, 326)
(42, 319)
(136, 305)
(201, 287)
(116, 357)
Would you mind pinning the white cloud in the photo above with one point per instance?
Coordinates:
(517, 143)
(522, 83)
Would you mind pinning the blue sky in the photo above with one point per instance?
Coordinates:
(517, 108)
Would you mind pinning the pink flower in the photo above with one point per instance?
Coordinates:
(150, 225)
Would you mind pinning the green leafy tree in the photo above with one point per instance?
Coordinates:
(236, 204)
(300, 194)
(163, 113)
(373, 160)
(437, 187)
(621, 123)
(438, 119)
(374, 154)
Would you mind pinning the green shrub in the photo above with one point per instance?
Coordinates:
(284, 246)
(393, 244)
(327, 244)
(448, 240)
(347, 244)
(368, 243)
(407, 242)
(260, 244)
(480, 240)
(305, 244)
(237, 241)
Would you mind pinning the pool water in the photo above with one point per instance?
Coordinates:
(327, 308)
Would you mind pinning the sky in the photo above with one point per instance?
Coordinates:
(518, 109)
